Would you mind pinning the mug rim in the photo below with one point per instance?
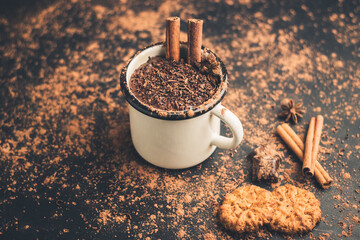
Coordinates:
(170, 114)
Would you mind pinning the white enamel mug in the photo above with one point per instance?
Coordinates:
(178, 139)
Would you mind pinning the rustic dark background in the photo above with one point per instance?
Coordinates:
(67, 166)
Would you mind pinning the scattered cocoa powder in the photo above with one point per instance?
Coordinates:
(66, 154)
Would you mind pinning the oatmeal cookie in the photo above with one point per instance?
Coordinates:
(246, 209)
(296, 211)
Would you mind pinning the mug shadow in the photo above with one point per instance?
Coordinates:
(112, 140)
(114, 147)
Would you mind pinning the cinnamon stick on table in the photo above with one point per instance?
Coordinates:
(317, 137)
(195, 27)
(173, 38)
(297, 146)
(312, 145)
(308, 166)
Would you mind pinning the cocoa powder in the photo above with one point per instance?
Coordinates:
(66, 154)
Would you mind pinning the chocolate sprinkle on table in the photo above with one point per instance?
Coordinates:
(68, 166)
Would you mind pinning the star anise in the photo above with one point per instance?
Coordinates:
(209, 64)
(291, 110)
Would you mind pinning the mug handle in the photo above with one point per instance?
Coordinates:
(234, 124)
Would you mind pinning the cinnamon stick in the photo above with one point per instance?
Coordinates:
(294, 136)
(173, 38)
(290, 142)
(297, 146)
(322, 176)
(309, 164)
(317, 136)
(195, 27)
(287, 134)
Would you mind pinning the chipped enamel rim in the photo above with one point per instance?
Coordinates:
(168, 114)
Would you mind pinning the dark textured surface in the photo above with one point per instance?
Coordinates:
(68, 167)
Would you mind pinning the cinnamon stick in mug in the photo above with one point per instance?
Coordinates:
(308, 166)
(173, 38)
(195, 27)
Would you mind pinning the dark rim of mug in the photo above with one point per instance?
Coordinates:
(166, 114)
